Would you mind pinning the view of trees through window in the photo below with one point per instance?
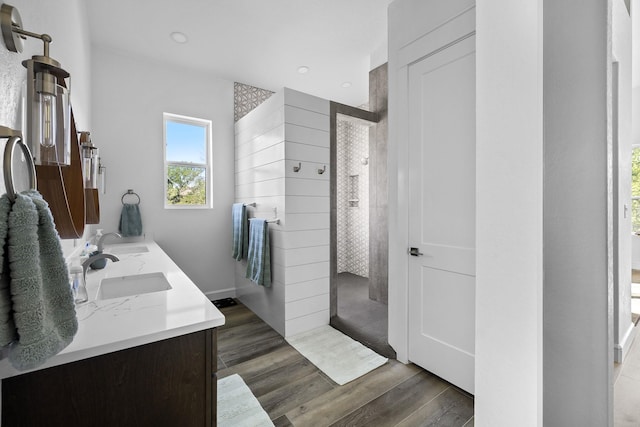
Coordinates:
(186, 185)
(635, 189)
(187, 145)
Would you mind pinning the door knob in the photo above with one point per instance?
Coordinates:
(415, 252)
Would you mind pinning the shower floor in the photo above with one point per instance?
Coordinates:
(359, 317)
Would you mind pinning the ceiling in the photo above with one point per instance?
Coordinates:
(257, 42)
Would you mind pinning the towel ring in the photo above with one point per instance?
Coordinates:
(16, 138)
(130, 192)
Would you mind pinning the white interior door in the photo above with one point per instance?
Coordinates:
(442, 212)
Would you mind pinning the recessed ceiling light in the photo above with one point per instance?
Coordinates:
(346, 84)
(179, 37)
(303, 69)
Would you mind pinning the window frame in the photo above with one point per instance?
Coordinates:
(194, 121)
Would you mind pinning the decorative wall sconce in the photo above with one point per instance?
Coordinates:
(102, 171)
(46, 106)
(90, 161)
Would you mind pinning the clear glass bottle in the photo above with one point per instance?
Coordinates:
(77, 284)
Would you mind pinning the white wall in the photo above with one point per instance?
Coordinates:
(379, 56)
(287, 129)
(509, 214)
(635, 79)
(578, 287)
(305, 239)
(66, 22)
(622, 134)
(259, 178)
(129, 96)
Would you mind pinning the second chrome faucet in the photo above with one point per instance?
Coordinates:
(100, 263)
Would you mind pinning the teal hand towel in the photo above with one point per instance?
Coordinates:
(240, 231)
(259, 256)
(130, 220)
(42, 302)
(7, 327)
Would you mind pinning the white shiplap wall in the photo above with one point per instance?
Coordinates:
(289, 128)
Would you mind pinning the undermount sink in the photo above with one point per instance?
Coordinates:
(128, 250)
(124, 286)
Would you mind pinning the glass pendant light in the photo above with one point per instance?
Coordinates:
(46, 104)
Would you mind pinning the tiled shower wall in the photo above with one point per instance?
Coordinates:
(352, 197)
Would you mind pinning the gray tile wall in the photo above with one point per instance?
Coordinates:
(378, 188)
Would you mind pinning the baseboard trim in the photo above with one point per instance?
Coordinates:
(222, 293)
(621, 350)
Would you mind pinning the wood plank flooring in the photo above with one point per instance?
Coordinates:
(296, 393)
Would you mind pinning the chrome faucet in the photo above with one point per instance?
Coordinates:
(101, 240)
(91, 259)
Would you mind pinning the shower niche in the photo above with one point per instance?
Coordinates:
(354, 191)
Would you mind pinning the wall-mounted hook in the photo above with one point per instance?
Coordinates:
(323, 170)
(297, 168)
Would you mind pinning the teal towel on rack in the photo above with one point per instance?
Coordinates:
(42, 302)
(259, 257)
(240, 231)
(7, 327)
(130, 220)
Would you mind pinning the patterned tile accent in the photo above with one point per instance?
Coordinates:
(246, 98)
(352, 198)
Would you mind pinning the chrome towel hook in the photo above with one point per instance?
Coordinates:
(15, 137)
(323, 170)
(297, 168)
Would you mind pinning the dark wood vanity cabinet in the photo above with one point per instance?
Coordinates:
(165, 383)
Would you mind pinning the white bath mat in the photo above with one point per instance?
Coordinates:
(340, 357)
(237, 406)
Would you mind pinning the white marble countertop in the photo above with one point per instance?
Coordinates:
(115, 324)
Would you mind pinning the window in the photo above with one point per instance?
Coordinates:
(187, 162)
(635, 189)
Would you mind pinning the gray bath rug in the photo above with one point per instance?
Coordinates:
(237, 406)
(340, 357)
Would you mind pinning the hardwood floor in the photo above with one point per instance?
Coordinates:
(295, 393)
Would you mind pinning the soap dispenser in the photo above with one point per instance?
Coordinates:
(77, 284)
(97, 237)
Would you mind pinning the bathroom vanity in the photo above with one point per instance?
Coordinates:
(143, 354)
